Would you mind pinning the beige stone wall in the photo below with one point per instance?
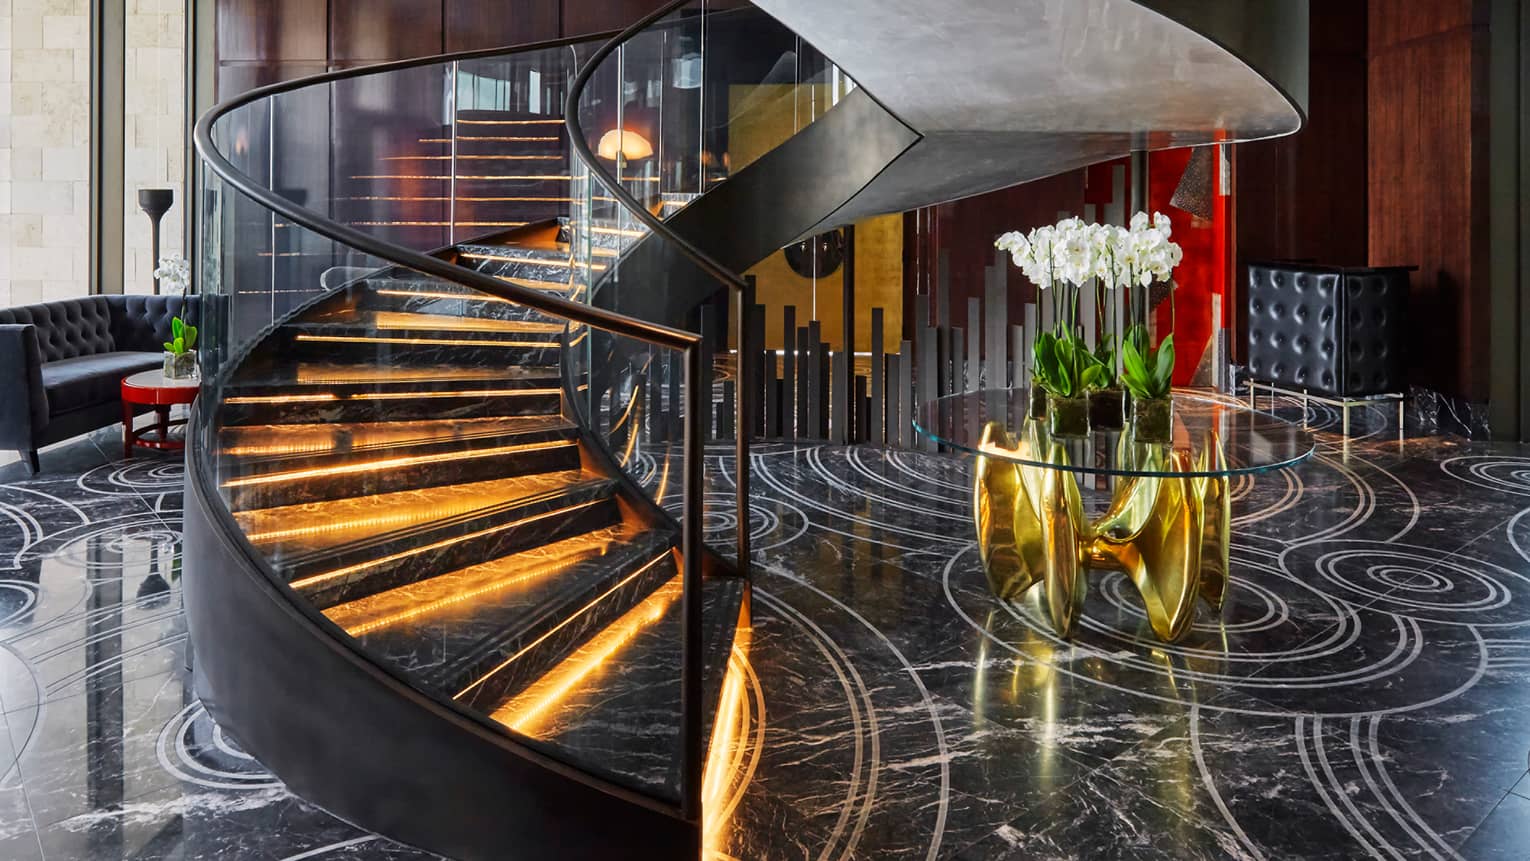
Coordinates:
(45, 143)
(153, 126)
(44, 149)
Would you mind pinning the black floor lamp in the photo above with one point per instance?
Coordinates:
(155, 202)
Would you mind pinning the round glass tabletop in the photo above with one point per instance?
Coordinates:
(1249, 441)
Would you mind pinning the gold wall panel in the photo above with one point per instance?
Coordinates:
(763, 118)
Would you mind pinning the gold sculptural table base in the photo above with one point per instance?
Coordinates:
(1167, 532)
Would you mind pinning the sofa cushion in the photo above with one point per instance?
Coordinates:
(143, 322)
(68, 328)
(85, 381)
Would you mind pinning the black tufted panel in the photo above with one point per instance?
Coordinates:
(1375, 304)
(143, 322)
(1327, 330)
(69, 328)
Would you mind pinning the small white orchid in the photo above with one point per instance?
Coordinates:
(174, 273)
(1075, 253)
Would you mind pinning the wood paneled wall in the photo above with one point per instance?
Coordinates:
(264, 41)
(1427, 179)
(1389, 170)
(1305, 197)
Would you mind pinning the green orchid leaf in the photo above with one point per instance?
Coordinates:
(1137, 338)
(169, 347)
(1163, 372)
(1094, 377)
(191, 337)
(1135, 368)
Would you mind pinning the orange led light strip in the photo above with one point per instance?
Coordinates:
(424, 294)
(407, 320)
(580, 612)
(545, 122)
(539, 285)
(528, 177)
(328, 397)
(393, 463)
(505, 258)
(495, 138)
(434, 342)
(437, 223)
(415, 551)
(524, 712)
(460, 198)
(580, 550)
(554, 157)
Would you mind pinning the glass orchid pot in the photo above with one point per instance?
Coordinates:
(1107, 408)
(180, 366)
(1038, 400)
(1068, 417)
(180, 351)
(1153, 419)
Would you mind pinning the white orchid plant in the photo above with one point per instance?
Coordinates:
(174, 273)
(1068, 257)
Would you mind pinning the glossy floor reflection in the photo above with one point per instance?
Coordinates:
(1365, 693)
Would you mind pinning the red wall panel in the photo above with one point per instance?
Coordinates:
(1202, 275)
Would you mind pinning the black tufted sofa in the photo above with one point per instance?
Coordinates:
(61, 363)
(1328, 330)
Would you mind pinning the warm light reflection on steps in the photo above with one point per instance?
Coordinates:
(426, 597)
(312, 373)
(269, 440)
(494, 139)
(336, 521)
(326, 397)
(529, 711)
(550, 121)
(406, 320)
(396, 463)
(737, 744)
(422, 342)
(328, 576)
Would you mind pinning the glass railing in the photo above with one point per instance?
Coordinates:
(661, 118)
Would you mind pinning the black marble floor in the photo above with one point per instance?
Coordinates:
(1365, 693)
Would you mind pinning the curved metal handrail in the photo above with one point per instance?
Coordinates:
(687, 343)
(742, 288)
(632, 327)
(581, 145)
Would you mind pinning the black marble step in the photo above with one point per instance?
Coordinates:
(433, 296)
(261, 477)
(413, 340)
(391, 394)
(530, 264)
(621, 720)
(259, 482)
(512, 659)
(376, 563)
(525, 612)
(329, 438)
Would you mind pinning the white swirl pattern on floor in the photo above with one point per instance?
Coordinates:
(1366, 692)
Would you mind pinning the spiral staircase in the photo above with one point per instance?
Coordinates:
(447, 566)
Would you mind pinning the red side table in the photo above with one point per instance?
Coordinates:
(153, 388)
